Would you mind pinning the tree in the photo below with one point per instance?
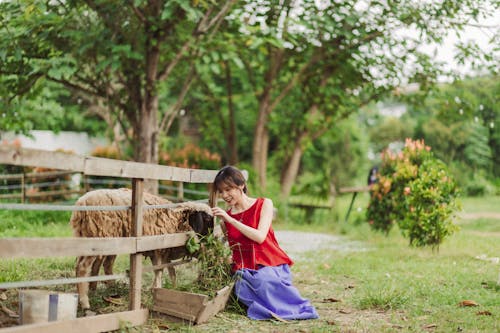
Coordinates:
(460, 120)
(338, 58)
(123, 55)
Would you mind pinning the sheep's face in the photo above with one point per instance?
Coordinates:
(201, 222)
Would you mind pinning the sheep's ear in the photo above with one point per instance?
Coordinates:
(196, 222)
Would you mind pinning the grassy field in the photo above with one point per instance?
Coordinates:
(390, 287)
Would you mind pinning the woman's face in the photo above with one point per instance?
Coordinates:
(232, 195)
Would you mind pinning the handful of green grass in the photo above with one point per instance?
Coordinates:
(214, 264)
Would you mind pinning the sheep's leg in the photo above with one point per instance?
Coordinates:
(96, 267)
(173, 275)
(83, 269)
(157, 260)
(108, 268)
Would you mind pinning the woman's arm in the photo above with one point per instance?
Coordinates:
(257, 235)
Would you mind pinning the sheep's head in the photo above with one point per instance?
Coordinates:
(201, 222)
(199, 216)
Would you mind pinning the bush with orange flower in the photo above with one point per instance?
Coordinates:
(190, 156)
(415, 191)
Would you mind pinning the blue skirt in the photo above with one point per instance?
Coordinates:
(268, 292)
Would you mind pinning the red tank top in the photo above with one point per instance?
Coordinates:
(250, 254)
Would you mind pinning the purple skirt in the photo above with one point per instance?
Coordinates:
(268, 292)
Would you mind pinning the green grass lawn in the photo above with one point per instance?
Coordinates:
(391, 287)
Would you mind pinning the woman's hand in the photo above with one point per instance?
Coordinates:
(219, 212)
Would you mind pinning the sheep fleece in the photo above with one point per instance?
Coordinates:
(118, 223)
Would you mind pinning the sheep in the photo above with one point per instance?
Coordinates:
(184, 217)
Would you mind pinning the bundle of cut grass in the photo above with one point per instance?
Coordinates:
(214, 264)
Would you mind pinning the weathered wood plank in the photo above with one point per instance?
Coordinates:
(218, 303)
(44, 283)
(100, 323)
(179, 304)
(136, 258)
(354, 189)
(147, 243)
(202, 176)
(173, 173)
(60, 247)
(41, 158)
(98, 166)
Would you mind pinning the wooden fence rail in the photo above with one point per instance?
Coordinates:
(26, 186)
(135, 245)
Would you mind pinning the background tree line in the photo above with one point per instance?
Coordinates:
(285, 88)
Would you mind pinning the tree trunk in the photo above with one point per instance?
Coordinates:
(146, 149)
(232, 137)
(261, 133)
(260, 143)
(292, 164)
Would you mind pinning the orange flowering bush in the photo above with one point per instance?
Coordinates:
(190, 156)
(416, 192)
(106, 152)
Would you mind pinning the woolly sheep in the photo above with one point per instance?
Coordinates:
(184, 217)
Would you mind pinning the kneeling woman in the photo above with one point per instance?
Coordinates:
(264, 281)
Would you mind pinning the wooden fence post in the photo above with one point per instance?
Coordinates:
(136, 259)
(23, 188)
(212, 196)
(180, 191)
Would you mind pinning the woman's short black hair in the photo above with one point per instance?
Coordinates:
(230, 176)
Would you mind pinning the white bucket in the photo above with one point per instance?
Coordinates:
(40, 306)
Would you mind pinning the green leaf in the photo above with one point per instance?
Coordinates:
(192, 245)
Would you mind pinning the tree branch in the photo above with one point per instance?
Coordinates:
(138, 13)
(169, 115)
(200, 29)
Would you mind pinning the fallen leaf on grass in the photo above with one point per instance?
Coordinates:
(113, 300)
(484, 313)
(163, 327)
(331, 322)
(397, 326)
(278, 318)
(468, 302)
(345, 311)
(331, 300)
(9, 312)
(350, 286)
(429, 326)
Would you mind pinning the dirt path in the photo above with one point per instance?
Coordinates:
(484, 215)
(297, 243)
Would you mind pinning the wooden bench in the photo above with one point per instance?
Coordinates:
(309, 209)
(354, 190)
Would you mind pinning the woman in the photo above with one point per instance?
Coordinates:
(264, 282)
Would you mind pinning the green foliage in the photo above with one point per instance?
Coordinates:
(460, 121)
(416, 192)
(477, 152)
(214, 266)
(387, 131)
(477, 185)
(334, 160)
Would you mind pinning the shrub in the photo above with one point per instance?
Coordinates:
(110, 151)
(416, 192)
(190, 156)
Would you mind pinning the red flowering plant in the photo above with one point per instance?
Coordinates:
(416, 192)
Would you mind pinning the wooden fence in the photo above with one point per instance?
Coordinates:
(135, 245)
(49, 186)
